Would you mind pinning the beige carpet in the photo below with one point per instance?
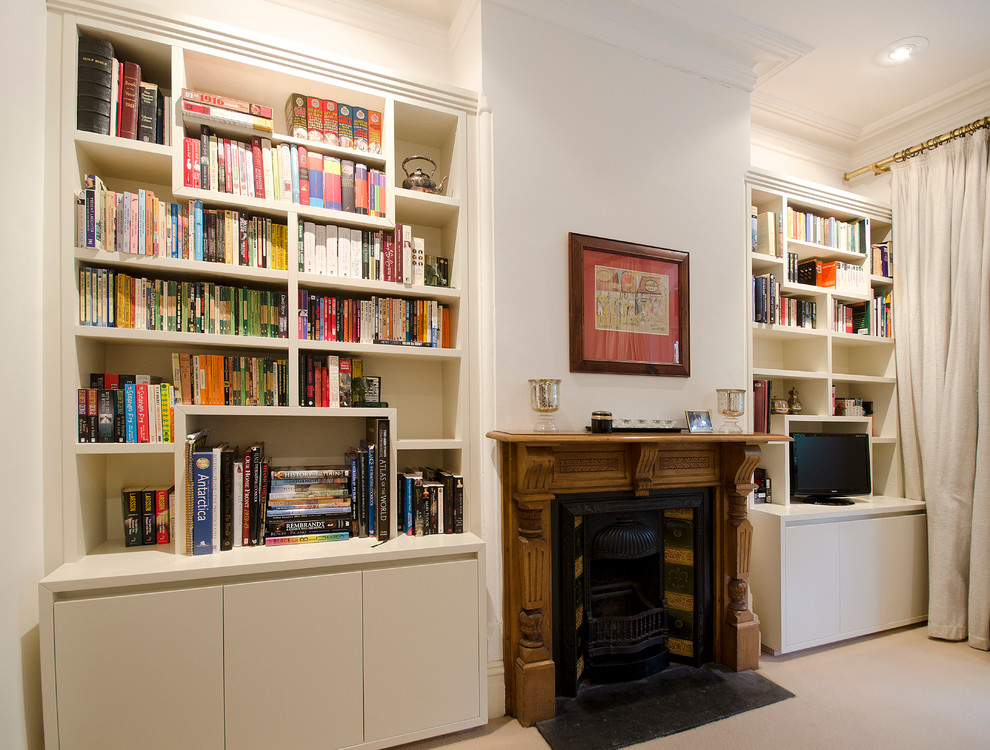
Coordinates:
(895, 690)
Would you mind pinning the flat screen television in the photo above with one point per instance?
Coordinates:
(826, 467)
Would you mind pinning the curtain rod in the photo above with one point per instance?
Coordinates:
(884, 164)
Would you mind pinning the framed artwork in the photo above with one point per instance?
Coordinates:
(698, 421)
(629, 308)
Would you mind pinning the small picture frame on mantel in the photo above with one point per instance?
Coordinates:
(698, 420)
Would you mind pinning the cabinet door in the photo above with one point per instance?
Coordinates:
(884, 572)
(142, 670)
(811, 582)
(421, 647)
(292, 663)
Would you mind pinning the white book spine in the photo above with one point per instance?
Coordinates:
(332, 268)
(320, 261)
(309, 247)
(355, 253)
(418, 260)
(344, 252)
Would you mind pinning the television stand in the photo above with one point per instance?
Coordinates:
(822, 500)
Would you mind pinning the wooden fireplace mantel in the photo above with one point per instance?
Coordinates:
(537, 467)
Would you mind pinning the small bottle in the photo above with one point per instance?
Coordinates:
(601, 421)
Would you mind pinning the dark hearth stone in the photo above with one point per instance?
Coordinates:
(605, 717)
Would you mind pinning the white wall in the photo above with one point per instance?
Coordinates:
(21, 553)
(597, 140)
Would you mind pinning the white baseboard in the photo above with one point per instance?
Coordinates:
(496, 689)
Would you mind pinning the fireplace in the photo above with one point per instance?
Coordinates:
(539, 471)
(631, 585)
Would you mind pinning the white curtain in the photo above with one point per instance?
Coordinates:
(941, 245)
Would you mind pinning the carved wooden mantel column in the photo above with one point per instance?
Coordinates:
(537, 467)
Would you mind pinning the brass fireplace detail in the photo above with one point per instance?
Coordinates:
(536, 468)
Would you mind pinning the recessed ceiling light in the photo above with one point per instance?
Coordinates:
(902, 50)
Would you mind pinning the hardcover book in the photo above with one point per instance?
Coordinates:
(295, 115)
(132, 499)
(94, 87)
(202, 518)
(345, 133)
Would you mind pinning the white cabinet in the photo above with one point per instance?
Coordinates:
(292, 663)
(421, 649)
(320, 656)
(140, 670)
(822, 575)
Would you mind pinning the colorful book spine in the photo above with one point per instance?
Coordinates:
(202, 519)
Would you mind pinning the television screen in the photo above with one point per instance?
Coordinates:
(827, 466)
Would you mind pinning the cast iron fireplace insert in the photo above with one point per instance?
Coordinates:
(632, 584)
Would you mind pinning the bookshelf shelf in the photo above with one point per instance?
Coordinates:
(126, 159)
(124, 449)
(807, 589)
(100, 581)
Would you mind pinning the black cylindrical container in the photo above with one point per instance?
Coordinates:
(601, 421)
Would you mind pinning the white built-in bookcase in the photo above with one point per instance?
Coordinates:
(823, 573)
(429, 410)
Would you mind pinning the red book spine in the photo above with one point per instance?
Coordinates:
(314, 119)
(143, 431)
(161, 514)
(330, 122)
(229, 166)
(187, 161)
(259, 167)
(129, 100)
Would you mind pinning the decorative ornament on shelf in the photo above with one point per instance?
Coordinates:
(778, 406)
(793, 405)
(544, 397)
(420, 180)
(731, 406)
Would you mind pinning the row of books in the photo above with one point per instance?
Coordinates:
(287, 173)
(139, 223)
(833, 274)
(848, 407)
(378, 320)
(770, 307)
(882, 260)
(227, 380)
(112, 98)
(334, 123)
(762, 400)
(430, 501)
(131, 412)
(148, 512)
(112, 299)
(333, 380)
(763, 492)
(851, 318)
(239, 498)
(770, 228)
(882, 315)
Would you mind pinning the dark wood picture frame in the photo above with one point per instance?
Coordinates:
(629, 308)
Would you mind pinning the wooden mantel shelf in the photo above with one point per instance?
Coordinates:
(537, 467)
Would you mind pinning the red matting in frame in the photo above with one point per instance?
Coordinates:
(629, 308)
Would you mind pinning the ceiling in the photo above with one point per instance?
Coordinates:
(811, 66)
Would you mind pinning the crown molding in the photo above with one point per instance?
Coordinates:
(798, 148)
(197, 33)
(408, 27)
(688, 36)
(810, 191)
